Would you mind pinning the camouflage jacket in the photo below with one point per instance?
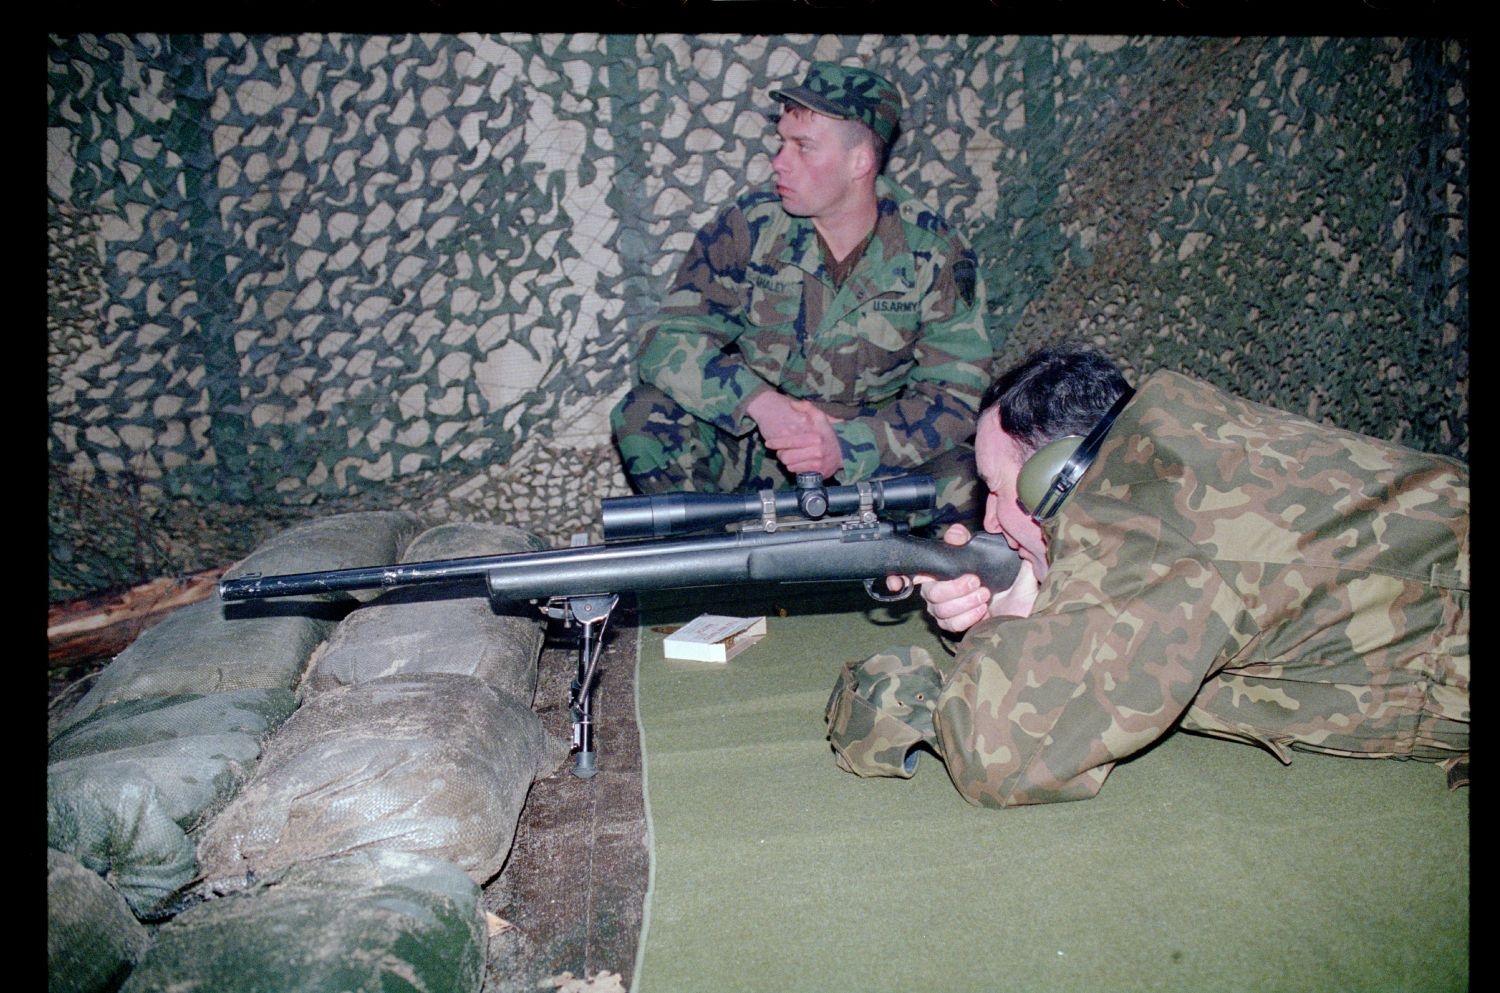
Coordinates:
(900, 349)
(1241, 570)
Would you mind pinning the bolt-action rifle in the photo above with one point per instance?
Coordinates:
(813, 534)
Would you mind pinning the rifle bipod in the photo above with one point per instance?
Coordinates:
(591, 614)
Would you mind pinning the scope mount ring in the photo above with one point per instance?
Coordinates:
(768, 522)
(866, 511)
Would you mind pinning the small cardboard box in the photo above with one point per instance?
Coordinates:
(714, 638)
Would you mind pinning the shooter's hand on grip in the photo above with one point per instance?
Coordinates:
(958, 604)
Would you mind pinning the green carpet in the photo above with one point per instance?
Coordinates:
(1202, 865)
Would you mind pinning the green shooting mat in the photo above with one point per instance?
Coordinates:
(1202, 864)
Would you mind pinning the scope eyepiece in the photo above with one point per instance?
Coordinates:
(684, 512)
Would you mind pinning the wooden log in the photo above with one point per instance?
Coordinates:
(101, 625)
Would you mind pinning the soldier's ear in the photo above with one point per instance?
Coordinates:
(863, 160)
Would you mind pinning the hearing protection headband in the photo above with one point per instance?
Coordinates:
(1049, 475)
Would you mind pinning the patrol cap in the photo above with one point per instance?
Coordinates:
(849, 93)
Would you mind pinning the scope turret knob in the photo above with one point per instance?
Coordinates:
(812, 498)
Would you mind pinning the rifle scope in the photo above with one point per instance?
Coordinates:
(680, 513)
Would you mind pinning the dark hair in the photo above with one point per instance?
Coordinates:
(1054, 392)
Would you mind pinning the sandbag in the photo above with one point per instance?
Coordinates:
(93, 939)
(198, 649)
(127, 785)
(127, 813)
(416, 630)
(213, 647)
(435, 763)
(366, 922)
(257, 712)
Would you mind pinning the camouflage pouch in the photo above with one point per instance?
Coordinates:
(880, 709)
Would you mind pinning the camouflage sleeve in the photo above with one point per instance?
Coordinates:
(682, 353)
(940, 404)
(1040, 709)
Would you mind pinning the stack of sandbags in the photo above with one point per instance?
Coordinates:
(128, 785)
(242, 762)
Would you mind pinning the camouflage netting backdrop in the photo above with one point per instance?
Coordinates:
(290, 275)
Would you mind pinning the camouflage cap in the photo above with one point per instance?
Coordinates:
(881, 709)
(850, 93)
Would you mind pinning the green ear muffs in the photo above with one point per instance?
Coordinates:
(1049, 475)
(1041, 483)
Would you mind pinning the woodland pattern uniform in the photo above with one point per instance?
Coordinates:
(899, 348)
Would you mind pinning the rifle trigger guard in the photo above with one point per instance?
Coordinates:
(905, 591)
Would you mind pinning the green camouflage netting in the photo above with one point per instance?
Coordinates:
(411, 268)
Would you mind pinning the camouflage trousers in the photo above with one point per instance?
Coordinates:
(884, 712)
(664, 448)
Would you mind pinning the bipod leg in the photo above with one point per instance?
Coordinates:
(591, 613)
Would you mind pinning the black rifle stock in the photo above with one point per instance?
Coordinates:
(582, 583)
(791, 555)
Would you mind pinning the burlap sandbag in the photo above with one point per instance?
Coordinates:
(198, 650)
(130, 723)
(127, 813)
(213, 647)
(455, 629)
(93, 940)
(127, 785)
(435, 763)
(368, 922)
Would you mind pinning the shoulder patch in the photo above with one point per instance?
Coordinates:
(964, 277)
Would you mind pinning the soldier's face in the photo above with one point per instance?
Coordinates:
(814, 167)
(999, 458)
